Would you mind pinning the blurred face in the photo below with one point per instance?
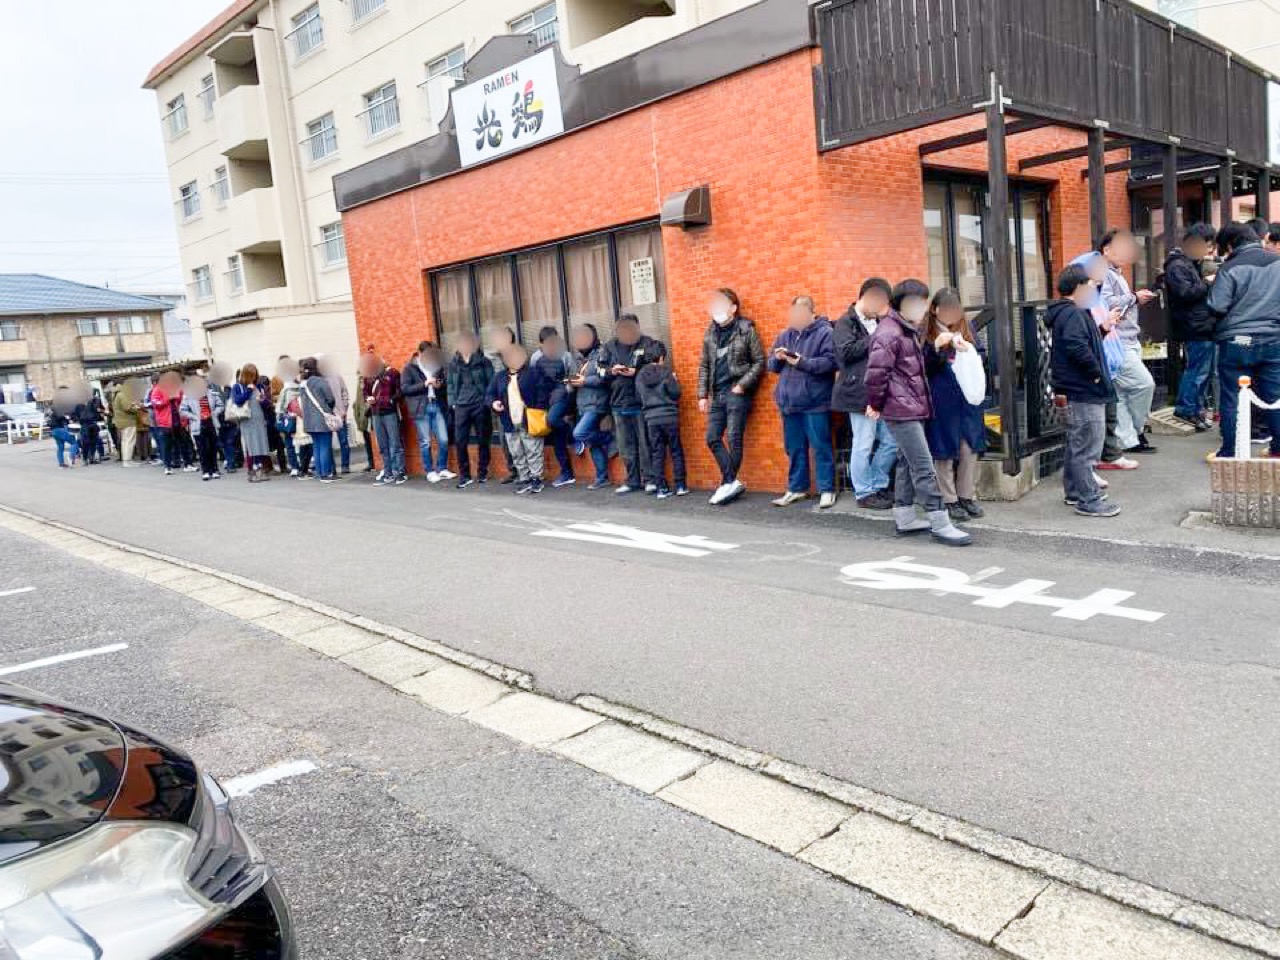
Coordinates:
(369, 365)
(913, 310)
(1273, 245)
(582, 339)
(324, 365)
(171, 382)
(628, 333)
(1195, 248)
(799, 316)
(287, 369)
(950, 316)
(467, 344)
(1123, 251)
(515, 356)
(553, 347)
(194, 386)
(1083, 297)
(499, 340)
(1097, 269)
(721, 308)
(874, 303)
(221, 374)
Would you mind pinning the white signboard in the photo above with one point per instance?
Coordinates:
(508, 110)
(644, 283)
(1273, 121)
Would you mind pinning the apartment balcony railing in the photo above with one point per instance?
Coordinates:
(306, 37)
(381, 117)
(546, 35)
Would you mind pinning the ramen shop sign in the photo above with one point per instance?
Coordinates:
(514, 108)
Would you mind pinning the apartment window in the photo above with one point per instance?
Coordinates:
(235, 275)
(189, 200)
(132, 324)
(541, 22)
(208, 94)
(202, 281)
(322, 138)
(10, 330)
(333, 245)
(94, 326)
(175, 118)
(308, 32)
(221, 187)
(381, 110)
(586, 280)
(449, 65)
(363, 9)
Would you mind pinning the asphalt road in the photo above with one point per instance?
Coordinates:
(1146, 748)
(420, 836)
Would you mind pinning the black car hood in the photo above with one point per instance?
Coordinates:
(63, 769)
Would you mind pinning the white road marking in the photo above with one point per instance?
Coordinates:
(244, 785)
(14, 593)
(63, 658)
(614, 535)
(902, 574)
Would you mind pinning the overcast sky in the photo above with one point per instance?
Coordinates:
(83, 189)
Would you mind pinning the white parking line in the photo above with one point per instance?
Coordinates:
(14, 593)
(247, 784)
(63, 658)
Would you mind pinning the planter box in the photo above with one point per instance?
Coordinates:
(1246, 493)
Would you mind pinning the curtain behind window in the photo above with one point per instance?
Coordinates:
(586, 274)
(634, 247)
(494, 297)
(453, 301)
(539, 276)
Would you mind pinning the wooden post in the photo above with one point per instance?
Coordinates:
(1169, 194)
(1097, 184)
(1226, 189)
(1000, 279)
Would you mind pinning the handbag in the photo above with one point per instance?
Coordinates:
(237, 412)
(535, 421)
(331, 420)
(971, 375)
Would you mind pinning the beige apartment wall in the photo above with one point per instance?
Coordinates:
(292, 332)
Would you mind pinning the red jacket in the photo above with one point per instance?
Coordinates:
(896, 381)
(382, 392)
(165, 407)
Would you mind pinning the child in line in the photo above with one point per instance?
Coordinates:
(660, 394)
(518, 388)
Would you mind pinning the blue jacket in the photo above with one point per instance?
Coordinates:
(1079, 365)
(1246, 295)
(593, 395)
(535, 389)
(806, 387)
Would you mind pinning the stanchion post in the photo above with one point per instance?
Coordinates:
(1244, 419)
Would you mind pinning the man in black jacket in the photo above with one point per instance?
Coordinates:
(470, 373)
(1081, 381)
(729, 371)
(874, 451)
(1191, 322)
(629, 352)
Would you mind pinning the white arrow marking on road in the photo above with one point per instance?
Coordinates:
(64, 658)
(614, 535)
(902, 574)
(247, 784)
(14, 593)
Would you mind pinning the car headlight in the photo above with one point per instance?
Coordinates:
(116, 892)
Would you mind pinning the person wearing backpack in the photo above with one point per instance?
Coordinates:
(1191, 322)
(660, 396)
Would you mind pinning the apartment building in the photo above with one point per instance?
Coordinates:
(55, 332)
(265, 104)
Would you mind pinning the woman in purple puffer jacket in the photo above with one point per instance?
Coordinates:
(898, 392)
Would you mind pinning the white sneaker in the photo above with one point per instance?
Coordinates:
(827, 501)
(293, 472)
(448, 475)
(788, 498)
(1102, 484)
(718, 497)
(736, 489)
(382, 475)
(433, 477)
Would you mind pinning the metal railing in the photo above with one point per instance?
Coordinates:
(307, 36)
(221, 191)
(175, 121)
(203, 286)
(547, 34)
(321, 144)
(235, 280)
(208, 96)
(381, 116)
(365, 8)
(333, 250)
(189, 204)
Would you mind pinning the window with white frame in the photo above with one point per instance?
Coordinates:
(132, 324)
(175, 117)
(235, 275)
(208, 94)
(189, 200)
(322, 138)
(381, 110)
(542, 22)
(221, 187)
(202, 282)
(308, 32)
(450, 64)
(10, 330)
(94, 326)
(363, 9)
(333, 245)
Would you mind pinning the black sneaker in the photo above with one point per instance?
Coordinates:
(1143, 447)
(973, 509)
(535, 487)
(507, 480)
(464, 483)
(522, 488)
(1197, 422)
(402, 478)
(482, 479)
(877, 501)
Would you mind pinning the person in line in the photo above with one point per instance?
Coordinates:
(957, 434)
(469, 376)
(281, 444)
(163, 401)
(518, 388)
(381, 388)
(590, 385)
(1260, 229)
(873, 452)
(1191, 322)
(660, 397)
(87, 415)
(1272, 240)
(202, 408)
(124, 414)
(898, 391)
(628, 353)
(729, 370)
(803, 357)
(319, 417)
(1245, 299)
(289, 421)
(1082, 382)
(1134, 385)
(1113, 458)
(60, 428)
(557, 366)
(422, 384)
(229, 439)
(342, 398)
(500, 339)
(249, 393)
(360, 417)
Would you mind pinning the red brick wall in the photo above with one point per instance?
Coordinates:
(787, 220)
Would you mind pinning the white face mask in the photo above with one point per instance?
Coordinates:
(721, 317)
(914, 313)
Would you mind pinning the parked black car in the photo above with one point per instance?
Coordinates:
(113, 846)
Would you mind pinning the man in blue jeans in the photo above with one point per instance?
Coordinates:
(1246, 300)
(1191, 322)
(874, 452)
(380, 386)
(552, 358)
(628, 353)
(422, 384)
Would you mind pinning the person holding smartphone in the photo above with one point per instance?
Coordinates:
(628, 353)
(804, 359)
(729, 371)
(1134, 385)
